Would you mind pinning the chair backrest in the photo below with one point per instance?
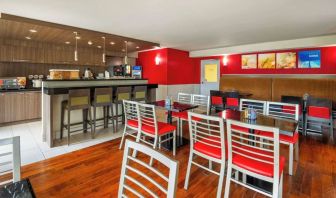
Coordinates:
(283, 110)
(103, 96)
(130, 110)
(123, 93)
(258, 105)
(140, 93)
(184, 98)
(147, 117)
(208, 130)
(138, 177)
(202, 101)
(217, 98)
(251, 146)
(10, 159)
(231, 100)
(319, 108)
(79, 98)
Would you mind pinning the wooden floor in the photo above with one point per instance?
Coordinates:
(95, 171)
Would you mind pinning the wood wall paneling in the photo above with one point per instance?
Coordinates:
(261, 88)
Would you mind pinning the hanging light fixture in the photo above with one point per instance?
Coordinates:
(104, 52)
(126, 58)
(76, 53)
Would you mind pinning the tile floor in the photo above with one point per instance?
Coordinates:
(33, 149)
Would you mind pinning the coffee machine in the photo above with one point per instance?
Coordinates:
(137, 72)
(122, 71)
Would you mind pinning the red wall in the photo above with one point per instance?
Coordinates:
(328, 64)
(176, 67)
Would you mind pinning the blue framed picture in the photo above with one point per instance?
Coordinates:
(310, 59)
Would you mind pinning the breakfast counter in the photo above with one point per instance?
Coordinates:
(55, 91)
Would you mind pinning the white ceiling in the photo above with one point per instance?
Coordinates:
(188, 24)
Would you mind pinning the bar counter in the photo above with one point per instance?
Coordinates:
(55, 91)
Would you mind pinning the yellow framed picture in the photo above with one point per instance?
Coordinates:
(266, 61)
(286, 60)
(249, 61)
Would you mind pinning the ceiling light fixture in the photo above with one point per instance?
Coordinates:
(28, 37)
(225, 60)
(76, 38)
(112, 43)
(32, 31)
(103, 49)
(67, 42)
(99, 46)
(137, 47)
(90, 42)
(126, 58)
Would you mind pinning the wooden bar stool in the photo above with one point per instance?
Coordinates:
(121, 93)
(102, 98)
(140, 93)
(79, 99)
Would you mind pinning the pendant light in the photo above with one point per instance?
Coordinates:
(104, 52)
(126, 58)
(76, 53)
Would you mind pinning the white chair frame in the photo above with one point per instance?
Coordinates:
(197, 134)
(131, 113)
(16, 159)
(232, 136)
(184, 98)
(147, 112)
(259, 103)
(200, 100)
(171, 180)
(295, 116)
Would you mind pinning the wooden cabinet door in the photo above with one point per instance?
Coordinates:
(6, 53)
(2, 108)
(14, 106)
(33, 105)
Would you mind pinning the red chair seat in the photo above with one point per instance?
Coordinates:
(283, 138)
(210, 150)
(133, 123)
(163, 128)
(183, 115)
(256, 166)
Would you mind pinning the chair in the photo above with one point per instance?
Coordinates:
(207, 140)
(286, 111)
(139, 93)
(296, 100)
(217, 101)
(130, 184)
(149, 126)
(231, 100)
(245, 155)
(258, 105)
(121, 93)
(10, 160)
(184, 98)
(319, 116)
(131, 120)
(102, 98)
(79, 99)
(201, 101)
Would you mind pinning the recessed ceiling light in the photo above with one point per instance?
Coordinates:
(32, 31)
(90, 42)
(67, 42)
(123, 50)
(112, 43)
(99, 46)
(137, 47)
(27, 37)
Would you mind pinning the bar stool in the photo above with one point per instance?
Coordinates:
(79, 99)
(121, 93)
(139, 93)
(102, 98)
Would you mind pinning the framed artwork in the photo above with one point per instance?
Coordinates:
(249, 61)
(286, 60)
(310, 59)
(266, 61)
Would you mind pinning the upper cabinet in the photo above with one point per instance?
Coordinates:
(37, 52)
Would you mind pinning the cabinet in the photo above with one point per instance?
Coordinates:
(18, 106)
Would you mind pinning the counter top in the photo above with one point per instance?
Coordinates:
(20, 90)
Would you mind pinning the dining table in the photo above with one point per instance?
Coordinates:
(174, 107)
